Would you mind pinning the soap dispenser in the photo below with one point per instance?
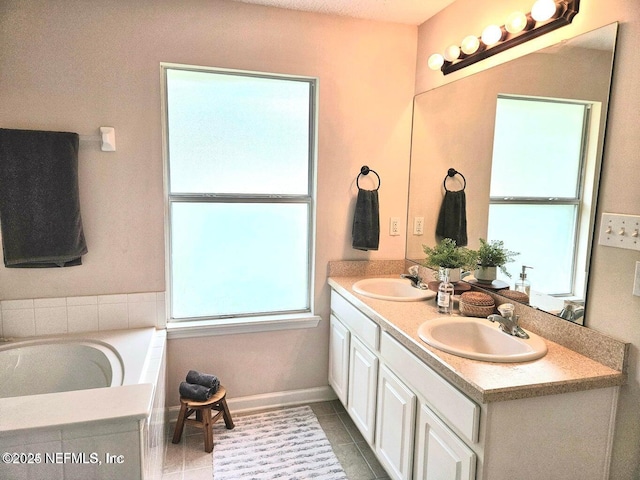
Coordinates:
(523, 285)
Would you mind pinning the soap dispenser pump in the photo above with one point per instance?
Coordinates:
(523, 285)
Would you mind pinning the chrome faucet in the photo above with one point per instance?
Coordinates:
(508, 321)
(572, 311)
(416, 281)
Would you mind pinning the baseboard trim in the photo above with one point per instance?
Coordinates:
(271, 400)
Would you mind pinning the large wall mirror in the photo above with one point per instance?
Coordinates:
(528, 138)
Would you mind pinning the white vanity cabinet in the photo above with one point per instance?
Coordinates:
(363, 375)
(380, 402)
(421, 426)
(339, 337)
(357, 372)
(395, 425)
(439, 452)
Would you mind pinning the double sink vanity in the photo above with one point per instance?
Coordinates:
(456, 398)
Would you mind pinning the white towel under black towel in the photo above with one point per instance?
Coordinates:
(39, 199)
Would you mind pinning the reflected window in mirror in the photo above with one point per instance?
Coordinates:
(538, 199)
(453, 126)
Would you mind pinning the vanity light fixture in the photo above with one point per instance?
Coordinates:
(492, 35)
(545, 16)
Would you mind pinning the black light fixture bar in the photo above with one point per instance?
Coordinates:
(567, 10)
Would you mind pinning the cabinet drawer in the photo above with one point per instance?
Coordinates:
(452, 405)
(367, 330)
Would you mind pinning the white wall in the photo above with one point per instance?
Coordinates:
(77, 65)
(611, 307)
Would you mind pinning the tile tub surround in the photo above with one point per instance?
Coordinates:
(562, 370)
(124, 420)
(53, 316)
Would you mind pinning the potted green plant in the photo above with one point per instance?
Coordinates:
(491, 256)
(447, 254)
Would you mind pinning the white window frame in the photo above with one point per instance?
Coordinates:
(269, 321)
(580, 260)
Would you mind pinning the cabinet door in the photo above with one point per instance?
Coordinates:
(363, 376)
(339, 358)
(395, 421)
(440, 454)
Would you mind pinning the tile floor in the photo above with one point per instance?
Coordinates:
(188, 461)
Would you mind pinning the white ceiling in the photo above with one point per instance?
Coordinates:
(412, 12)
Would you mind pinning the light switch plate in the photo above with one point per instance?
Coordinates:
(636, 281)
(620, 231)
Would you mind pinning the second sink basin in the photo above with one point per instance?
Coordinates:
(394, 289)
(480, 339)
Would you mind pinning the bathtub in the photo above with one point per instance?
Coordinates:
(84, 406)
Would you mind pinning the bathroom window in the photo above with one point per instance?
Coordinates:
(538, 204)
(240, 152)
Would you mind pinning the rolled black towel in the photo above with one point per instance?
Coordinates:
(200, 393)
(204, 379)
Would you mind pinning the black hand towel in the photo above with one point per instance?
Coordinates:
(199, 393)
(209, 381)
(39, 199)
(452, 221)
(366, 221)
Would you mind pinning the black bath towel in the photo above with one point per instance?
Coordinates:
(199, 393)
(366, 221)
(452, 221)
(39, 199)
(204, 379)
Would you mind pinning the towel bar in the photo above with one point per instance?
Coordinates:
(364, 170)
(452, 172)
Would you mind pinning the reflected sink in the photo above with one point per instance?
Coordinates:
(394, 289)
(480, 339)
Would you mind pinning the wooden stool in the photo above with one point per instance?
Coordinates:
(205, 418)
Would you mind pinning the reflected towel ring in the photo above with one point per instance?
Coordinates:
(452, 172)
(365, 171)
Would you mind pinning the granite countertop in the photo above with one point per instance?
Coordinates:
(561, 370)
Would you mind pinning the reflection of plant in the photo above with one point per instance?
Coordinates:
(447, 255)
(494, 254)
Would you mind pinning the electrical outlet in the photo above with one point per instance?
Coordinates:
(394, 227)
(636, 281)
(418, 225)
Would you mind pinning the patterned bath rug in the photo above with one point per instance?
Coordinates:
(284, 444)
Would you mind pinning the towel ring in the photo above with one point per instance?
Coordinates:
(365, 171)
(452, 172)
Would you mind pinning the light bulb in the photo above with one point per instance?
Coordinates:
(452, 53)
(516, 22)
(543, 10)
(435, 61)
(470, 45)
(491, 35)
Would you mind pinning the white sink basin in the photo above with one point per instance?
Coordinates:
(394, 289)
(480, 339)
